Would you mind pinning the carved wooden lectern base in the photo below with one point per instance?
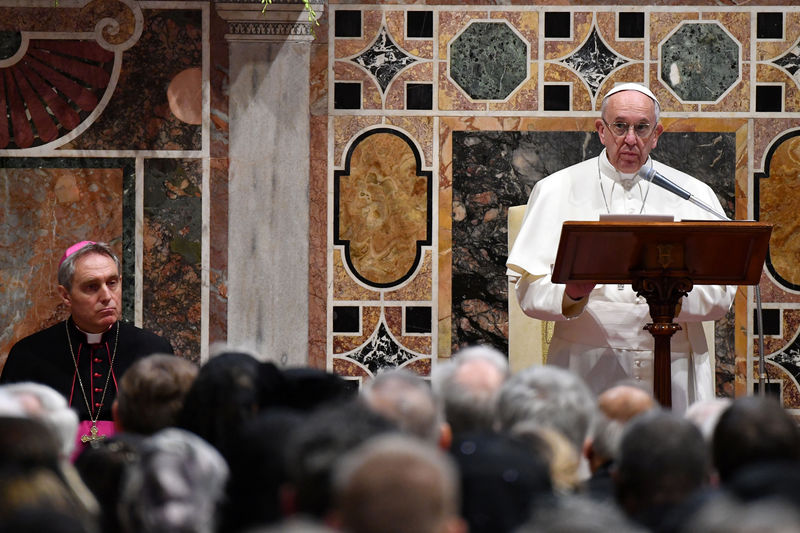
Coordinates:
(663, 294)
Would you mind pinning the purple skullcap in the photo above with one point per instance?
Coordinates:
(74, 248)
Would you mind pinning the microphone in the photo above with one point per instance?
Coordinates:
(653, 176)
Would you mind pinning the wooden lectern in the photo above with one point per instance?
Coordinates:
(662, 261)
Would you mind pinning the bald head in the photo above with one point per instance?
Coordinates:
(623, 402)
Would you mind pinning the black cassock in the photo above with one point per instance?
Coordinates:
(45, 357)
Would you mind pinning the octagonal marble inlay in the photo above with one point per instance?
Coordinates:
(488, 60)
(700, 62)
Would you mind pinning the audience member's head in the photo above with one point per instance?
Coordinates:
(577, 514)
(47, 405)
(553, 446)
(306, 389)
(407, 400)
(229, 390)
(623, 402)
(501, 478)
(728, 515)
(397, 484)
(102, 468)
(603, 447)
(315, 446)
(662, 460)
(151, 392)
(753, 429)
(551, 397)
(176, 485)
(705, 414)
(467, 386)
(259, 470)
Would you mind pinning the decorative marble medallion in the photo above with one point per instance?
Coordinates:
(700, 62)
(594, 61)
(381, 351)
(488, 60)
(383, 208)
(383, 59)
(791, 62)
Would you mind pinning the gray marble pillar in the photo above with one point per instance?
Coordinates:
(268, 180)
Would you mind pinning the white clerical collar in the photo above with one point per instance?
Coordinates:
(91, 338)
(626, 180)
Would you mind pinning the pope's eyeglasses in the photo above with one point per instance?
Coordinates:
(620, 129)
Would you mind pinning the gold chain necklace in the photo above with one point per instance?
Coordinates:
(93, 436)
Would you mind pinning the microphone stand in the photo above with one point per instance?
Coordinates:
(655, 178)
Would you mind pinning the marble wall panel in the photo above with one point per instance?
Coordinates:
(45, 210)
(419, 47)
(773, 48)
(172, 246)
(581, 96)
(452, 97)
(138, 115)
(556, 49)
(371, 21)
(396, 92)
(771, 74)
(631, 49)
(451, 23)
(420, 129)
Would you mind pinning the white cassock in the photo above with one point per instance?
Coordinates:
(601, 337)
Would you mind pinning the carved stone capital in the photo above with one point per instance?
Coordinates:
(282, 20)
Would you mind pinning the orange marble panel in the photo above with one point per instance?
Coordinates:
(345, 287)
(420, 288)
(765, 132)
(791, 94)
(662, 23)
(383, 208)
(451, 23)
(371, 96)
(451, 97)
(318, 71)
(666, 98)
(318, 242)
(44, 212)
(555, 50)
(632, 49)
(421, 130)
(779, 198)
(768, 50)
(345, 130)
(421, 367)
(774, 344)
(524, 98)
(581, 97)
(628, 73)
(349, 368)
(416, 343)
(396, 91)
(396, 24)
(737, 100)
(526, 23)
(776, 374)
(737, 23)
(770, 292)
(370, 318)
(371, 21)
(740, 343)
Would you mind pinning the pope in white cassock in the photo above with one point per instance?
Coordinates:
(598, 329)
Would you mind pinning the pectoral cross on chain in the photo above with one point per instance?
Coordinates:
(93, 435)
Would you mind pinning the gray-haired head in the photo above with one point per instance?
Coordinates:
(47, 405)
(407, 400)
(175, 486)
(550, 396)
(66, 270)
(467, 386)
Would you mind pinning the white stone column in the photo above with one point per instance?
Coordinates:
(268, 208)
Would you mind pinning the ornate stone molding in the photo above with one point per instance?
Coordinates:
(283, 20)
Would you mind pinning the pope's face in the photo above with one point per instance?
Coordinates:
(627, 153)
(96, 293)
